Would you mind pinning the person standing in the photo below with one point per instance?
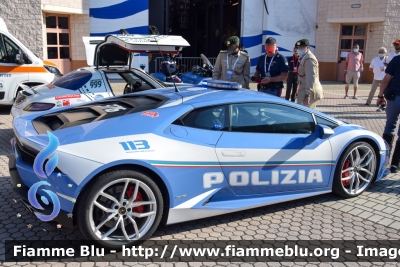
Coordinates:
(396, 52)
(377, 66)
(310, 90)
(292, 81)
(389, 95)
(233, 65)
(354, 66)
(273, 69)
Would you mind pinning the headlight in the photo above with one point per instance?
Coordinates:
(37, 106)
(52, 69)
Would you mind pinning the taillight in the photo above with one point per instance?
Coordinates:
(36, 106)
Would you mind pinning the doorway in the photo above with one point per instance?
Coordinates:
(349, 36)
(205, 24)
(58, 41)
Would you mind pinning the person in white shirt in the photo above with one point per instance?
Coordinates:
(396, 52)
(378, 67)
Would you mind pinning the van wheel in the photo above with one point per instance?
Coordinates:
(355, 170)
(120, 207)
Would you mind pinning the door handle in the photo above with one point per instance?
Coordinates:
(233, 153)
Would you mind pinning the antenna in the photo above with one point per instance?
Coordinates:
(154, 31)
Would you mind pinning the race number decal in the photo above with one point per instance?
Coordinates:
(112, 108)
(95, 83)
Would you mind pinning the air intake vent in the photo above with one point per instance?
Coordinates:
(102, 110)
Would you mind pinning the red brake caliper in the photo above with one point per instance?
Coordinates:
(346, 174)
(129, 192)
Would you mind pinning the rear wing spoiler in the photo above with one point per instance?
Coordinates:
(118, 50)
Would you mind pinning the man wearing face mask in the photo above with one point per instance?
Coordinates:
(292, 80)
(233, 65)
(378, 67)
(310, 89)
(272, 68)
(354, 66)
(396, 52)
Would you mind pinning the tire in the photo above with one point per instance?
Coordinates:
(97, 221)
(354, 174)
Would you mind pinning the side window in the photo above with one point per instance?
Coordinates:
(3, 55)
(270, 118)
(326, 122)
(11, 49)
(210, 118)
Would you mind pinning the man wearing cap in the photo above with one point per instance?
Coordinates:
(233, 64)
(396, 52)
(292, 80)
(310, 89)
(273, 69)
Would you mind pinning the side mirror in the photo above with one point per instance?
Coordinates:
(325, 131)
(19, 58)
(321, 132)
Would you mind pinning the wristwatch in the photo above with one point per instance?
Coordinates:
(306, 95)
(380, 96)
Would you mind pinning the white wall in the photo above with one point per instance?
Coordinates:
(288, 21)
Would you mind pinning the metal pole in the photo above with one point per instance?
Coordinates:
(221, 21)
(195, 28)
(166, 28)
(206, 31)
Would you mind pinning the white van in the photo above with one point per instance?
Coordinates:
(19, 67)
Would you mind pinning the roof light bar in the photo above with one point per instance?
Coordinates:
(221, 85)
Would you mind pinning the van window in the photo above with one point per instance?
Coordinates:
(3, 55)
(11, 49)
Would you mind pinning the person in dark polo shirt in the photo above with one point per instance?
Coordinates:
(292, 80)
(389, 95)
(272, 67)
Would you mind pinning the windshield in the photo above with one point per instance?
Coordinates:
(74, 80)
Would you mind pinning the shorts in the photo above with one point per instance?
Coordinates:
(355, 75)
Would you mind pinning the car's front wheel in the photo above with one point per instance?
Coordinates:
(120, 207)
(355, 170)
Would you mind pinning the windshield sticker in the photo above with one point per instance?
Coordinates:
(5, 75)
(58, 103)
(67, 96)
(150, 114)
(66, 102)
(132, 39)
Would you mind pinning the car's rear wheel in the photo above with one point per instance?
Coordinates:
(355, 170)
(120, 207)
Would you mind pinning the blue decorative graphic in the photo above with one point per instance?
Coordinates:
(32, 199)
(44, 154)
(48, 153)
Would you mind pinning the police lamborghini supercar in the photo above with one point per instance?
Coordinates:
(128, 163)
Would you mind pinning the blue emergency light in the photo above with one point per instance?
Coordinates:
(217, 84)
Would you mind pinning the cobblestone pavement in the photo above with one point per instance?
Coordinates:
(373, 215)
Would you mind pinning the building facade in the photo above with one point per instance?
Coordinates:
(53, 29)
(369, 23)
